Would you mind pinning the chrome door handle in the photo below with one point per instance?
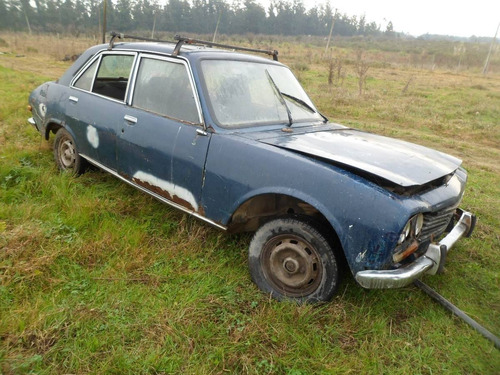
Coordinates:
(130, 119)
(201, 132)
(73, 99)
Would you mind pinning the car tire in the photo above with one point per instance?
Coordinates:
(290, 259)
(66, 154)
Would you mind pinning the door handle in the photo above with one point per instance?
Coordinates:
(130, 119)
(74, 99)
(201, 132)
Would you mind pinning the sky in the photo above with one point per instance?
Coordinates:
(459, 17)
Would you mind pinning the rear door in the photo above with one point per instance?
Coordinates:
(161, 144)
(96, 105)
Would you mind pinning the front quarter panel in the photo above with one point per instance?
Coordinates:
(366, 218)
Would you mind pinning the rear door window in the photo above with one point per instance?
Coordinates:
(87, 78)
(112, 76)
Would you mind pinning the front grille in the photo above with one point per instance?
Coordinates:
(435, 224)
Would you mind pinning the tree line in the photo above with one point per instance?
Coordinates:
(281, 17)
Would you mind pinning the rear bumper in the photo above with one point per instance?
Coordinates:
(431, 262)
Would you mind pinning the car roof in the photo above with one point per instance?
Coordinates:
(189, 51)
(192, 53)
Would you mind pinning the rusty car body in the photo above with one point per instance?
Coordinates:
(234, 140)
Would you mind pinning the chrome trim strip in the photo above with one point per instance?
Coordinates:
(428, 263)
(31, 120)
(154, 195)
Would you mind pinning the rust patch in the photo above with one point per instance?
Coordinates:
(164, 194)
(124, 175)
(201, 211)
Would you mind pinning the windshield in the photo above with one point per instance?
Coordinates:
(243, 93)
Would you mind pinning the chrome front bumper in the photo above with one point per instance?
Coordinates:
(431, 262)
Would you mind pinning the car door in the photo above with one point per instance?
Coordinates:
(161, 145)
(96, 105)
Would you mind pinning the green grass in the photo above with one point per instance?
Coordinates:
(97, 277)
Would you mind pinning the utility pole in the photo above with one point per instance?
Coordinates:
(487, 62)
(216, 27)
(154, 25)
(331, 30)
(98, 7)
(24, 6)
(104, 21)
(27, 21)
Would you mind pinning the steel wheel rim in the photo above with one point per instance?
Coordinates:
(67, 153)
(292, 265)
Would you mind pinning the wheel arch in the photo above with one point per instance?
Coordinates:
(258, 208)
(53, 125)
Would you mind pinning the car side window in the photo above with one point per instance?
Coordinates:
(113, 75)
(85, 80)
(164, 87)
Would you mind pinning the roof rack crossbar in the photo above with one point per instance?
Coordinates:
(115, 35)
(181, 40)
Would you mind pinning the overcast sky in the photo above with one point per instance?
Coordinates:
(417, 17)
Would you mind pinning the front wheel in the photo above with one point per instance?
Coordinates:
(291, 259)
(66, 154)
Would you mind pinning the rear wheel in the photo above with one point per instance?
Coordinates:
(66, 153)
(291, 259)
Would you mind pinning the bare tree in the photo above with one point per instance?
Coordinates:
(331, 68)
(335, 71)
(361, 71)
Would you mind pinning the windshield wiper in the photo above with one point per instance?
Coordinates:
(303, 104)
(279, 94)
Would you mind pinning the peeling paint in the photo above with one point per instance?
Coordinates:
(92, 136)
(42, 109)
(361, 256)
(172, 189)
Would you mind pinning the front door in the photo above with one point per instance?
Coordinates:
(161, 145)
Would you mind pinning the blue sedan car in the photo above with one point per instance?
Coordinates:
(234, 140)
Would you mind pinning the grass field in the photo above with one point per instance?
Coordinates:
(97, 277)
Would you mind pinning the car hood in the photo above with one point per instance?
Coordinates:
(402, 163)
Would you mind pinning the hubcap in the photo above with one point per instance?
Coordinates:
(292, 265)
(67, 154)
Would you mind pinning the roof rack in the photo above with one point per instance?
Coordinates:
(182, 40)
(179, 40)
(115, 35)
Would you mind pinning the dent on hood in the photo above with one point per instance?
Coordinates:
(393, 164)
